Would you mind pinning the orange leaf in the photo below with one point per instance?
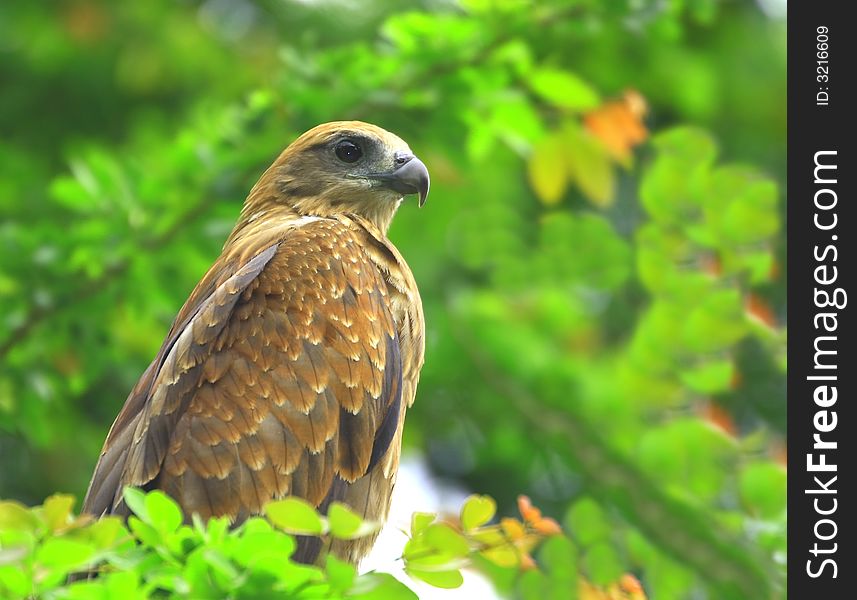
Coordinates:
(711, 265)
(513, 528)
(527, 562)
(619, 125)
(778, 450)
(527, 510)
(758, 309)
(587, 591)
(737, 379)
(547, 526)
(630, 584)
(719, 417)
(86, 22)
(775, 270)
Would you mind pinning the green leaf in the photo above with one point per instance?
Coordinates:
(716, 323)
(481, 138)
(586, 522)
(444, 538)
(259, 548)
(145, 533)
(343, 521)
(136, 501)
(710, 377)
(68, 192)
(675, 185)
(216, 529)
(582, 250)
(532, 585)
(15, 581)
(759, 264)
(14, 516)
(694, 145)
(558, 557)
(220, 565)
(340, 574)
(57, 511)
(516, 122)
(440, 579)
(106, 531)
(346, 524)
(476, 511)
(380, 586)
(297, 576)
(295, 515)
(547, 171)
(753, 216)
(563, 89)
(603, 564)
(420, 520)
(122, 584)
(162, 512)
(64, 554)
(589, 165)
(505, 555)
(763, 488)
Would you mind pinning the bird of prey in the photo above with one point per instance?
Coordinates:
(289, 369)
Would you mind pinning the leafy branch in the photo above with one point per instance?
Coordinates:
(157, 553)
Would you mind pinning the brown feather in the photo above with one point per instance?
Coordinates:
(289, 369)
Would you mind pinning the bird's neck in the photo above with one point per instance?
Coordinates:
(267, 205)
(256, 217)
(380, 214)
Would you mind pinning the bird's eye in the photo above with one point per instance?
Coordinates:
(347, 151)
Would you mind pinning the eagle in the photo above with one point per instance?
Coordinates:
(289, 369)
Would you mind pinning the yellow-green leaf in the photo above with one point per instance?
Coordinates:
(340, 574)
(136, 501)
(503, 556)
(445, 538)
(57, 510)
(106, 531)
(477, 510)
(17, 517)
(563, 89)
(488, 536)
(343, 521)
(162, 511)
(295, 515)
(440, 579)
(64, 553)
(419, 521)
(346, 524)
(709, 377)
(548, 171)
(589, 166)
(762, 486)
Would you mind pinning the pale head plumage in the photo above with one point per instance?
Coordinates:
(343, 167)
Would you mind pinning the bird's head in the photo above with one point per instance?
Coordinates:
(343, 167)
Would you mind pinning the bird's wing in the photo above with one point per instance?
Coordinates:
(281, 374)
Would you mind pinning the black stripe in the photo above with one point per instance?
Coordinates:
(392, 389)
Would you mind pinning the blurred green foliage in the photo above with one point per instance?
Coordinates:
(156, 555)
(48, 551)
(603, 325)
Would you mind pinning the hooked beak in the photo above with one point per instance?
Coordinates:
(410, 177)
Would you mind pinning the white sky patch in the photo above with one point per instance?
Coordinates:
(773, 9)
(417, 491)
